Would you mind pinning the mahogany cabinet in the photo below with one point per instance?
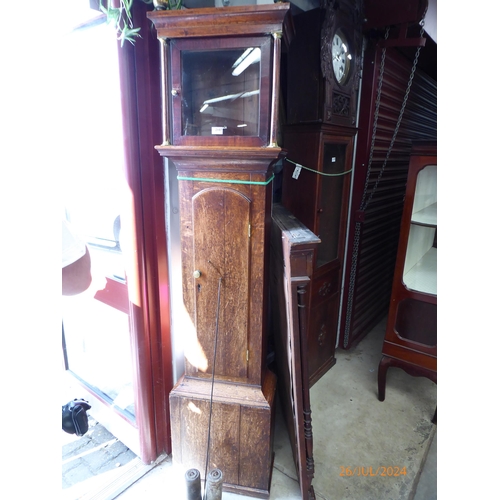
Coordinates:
(221, 76)
(320, 201)
(411, 335)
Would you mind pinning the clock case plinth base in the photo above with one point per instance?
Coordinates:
(241, 438)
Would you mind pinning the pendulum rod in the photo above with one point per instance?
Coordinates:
(212, 388)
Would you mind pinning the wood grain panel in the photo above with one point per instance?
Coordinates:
(221, 219)
(240, 436)
(192, 418)
(257, 458)
(225, 441)
(193, 415)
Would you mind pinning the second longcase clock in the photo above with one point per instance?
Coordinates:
(322, 81)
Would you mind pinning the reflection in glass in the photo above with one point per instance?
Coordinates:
(98, 348)
(221, 92)
(421, 254)
(417, 321)
(94, 192)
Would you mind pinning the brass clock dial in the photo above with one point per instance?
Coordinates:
(341, 58)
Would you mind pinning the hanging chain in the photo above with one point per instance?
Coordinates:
(357, 227)
(352, 279)
(364, 201)
(375, 121)
(364, 204)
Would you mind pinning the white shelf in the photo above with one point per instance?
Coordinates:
(422, 277)
(427, 216)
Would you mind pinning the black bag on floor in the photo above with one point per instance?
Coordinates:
(74, 417)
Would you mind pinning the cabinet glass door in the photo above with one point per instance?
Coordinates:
(416, 318)
(220, 92)
(421, 253)
(331, 202)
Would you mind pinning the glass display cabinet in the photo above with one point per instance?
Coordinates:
(411, 336)
(220, 95)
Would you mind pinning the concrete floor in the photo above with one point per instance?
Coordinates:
(352, 431)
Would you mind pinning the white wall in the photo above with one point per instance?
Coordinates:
(431, 20)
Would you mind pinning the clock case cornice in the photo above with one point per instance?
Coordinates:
(208, 22)
(216, 159)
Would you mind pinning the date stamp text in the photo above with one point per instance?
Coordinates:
(391, 471)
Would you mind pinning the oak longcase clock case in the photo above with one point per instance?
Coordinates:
(221, 87)
(411, 335)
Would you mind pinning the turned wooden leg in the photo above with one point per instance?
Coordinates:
(382, 375)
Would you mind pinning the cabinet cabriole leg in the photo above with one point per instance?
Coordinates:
(382, 375)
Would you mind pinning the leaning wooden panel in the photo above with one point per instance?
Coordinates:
(292, 249)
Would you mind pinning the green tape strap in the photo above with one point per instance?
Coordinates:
(228, 181)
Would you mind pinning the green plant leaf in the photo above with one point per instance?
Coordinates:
(121, 18)
(113, 15)
(129, 34)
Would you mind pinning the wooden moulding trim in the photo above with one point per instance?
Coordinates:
(226, 181)
(218, 152)
(255, 161)
(245, 490)
(241, 170)
(395, 338)
(244, 395)
(248, 20)
(410, 356)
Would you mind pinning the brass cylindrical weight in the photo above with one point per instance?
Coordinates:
(193, 484)
(214, 485)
